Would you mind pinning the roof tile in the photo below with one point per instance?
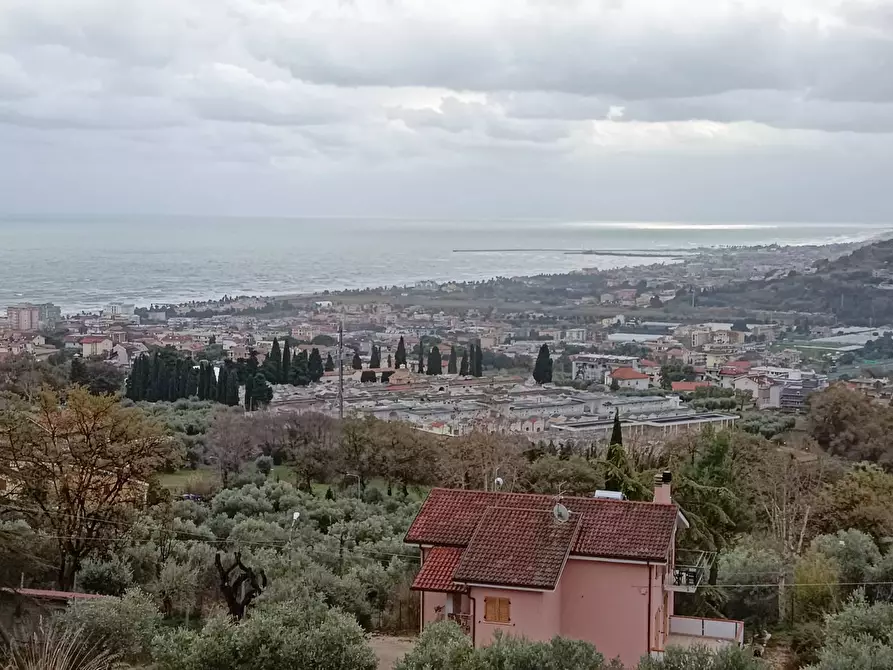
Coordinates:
(608, 528)
(518, 547)
(437, 571)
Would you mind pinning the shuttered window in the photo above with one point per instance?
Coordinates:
(497, 610)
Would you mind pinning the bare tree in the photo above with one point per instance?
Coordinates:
(310, 444)
(230, 442)
(80, 469)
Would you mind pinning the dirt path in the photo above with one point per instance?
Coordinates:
(390, 649)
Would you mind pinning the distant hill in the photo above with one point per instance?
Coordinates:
(857, 289)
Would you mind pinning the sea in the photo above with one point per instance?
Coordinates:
(83, 263)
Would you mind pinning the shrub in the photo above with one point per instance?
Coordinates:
(701, 658)
(109, 578)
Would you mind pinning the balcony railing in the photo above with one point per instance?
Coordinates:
(691, 569)
(712, 632)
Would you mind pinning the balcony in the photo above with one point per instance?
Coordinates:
(690, 571)
(464, 620)
(688, 631)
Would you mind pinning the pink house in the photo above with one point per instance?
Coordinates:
(599, 569)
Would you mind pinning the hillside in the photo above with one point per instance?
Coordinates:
(857, 289)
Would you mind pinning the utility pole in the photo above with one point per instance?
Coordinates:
(341, 369)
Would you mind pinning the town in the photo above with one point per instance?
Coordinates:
(621, 430)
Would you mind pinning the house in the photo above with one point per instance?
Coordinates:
(95, 346)
(599, 569)
(627, 378)
(688, 387)
(594, 367)
(652, 369)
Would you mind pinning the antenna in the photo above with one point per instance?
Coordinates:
(560, 513)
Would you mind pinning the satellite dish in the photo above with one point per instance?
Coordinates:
(561, 513)
(499, 481)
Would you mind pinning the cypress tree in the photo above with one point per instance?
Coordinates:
(191, 381)
(315, 368)
(400, 355)
(435, 362)
(542, 369)
(78, 373)
(162, 383)
(222, 385)
(262, 393)
(421, 364)
(183, 378)
(478, 361)
(330, 364)
(212, 383)
(249, 389)
(357, 363)
(471, 360)
(375, 358)
(617, 431)
(286, 364)
(389, 361)
(300, 370)
(451, 364)
(145, 377)
(130, 387)
(154, 374)
(272, 367)
(173, 383)
(232, 388)
(463, 366)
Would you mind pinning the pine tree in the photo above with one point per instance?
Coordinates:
(286, 364)
(463, 366)
(435, 362)
(617, 431)
(420, 367)
(375, 358)
(330, 364)
(400, 355)
(542, 369)
(315, 367)
(451, 364)
(357, 363)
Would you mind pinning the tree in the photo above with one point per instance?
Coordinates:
(300, 372)
(261, 392)
(435, 363)
(859, 500)
(272, 366)
(375, 358)
(420, 366)
(229, 443)
(315, 367)
(655, 302)
(222, 385)
(240, 588)
(79, 469)
(310, 440)
(848, 424)
(479, 362)
(617, 430)
(330, 364)
(286, 364)
(232, 388)
(367, 376)
(452, 363)
(357, 363)
(390, 362)
(463, 366)
(854, 551)
(78, 374)
(400, 355)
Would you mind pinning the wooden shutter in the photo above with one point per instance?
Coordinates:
(491, 609)
(505, 610)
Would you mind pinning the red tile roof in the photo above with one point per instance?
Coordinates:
(627, 373)
(608, 528)
(518, 547)
(645, 363)
(437, 571)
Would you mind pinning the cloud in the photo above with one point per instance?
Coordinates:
(344, 95)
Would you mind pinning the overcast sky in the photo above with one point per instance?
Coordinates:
(600, 109)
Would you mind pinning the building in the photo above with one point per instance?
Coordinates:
(627, 378)
(601, 569)
(23, 317)
(594, 367)
(96, 346)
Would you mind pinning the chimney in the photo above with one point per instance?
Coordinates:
(662, 482)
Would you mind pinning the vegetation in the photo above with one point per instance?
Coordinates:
(542, 369)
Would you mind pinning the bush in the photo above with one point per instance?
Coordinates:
(264, 464)
(750, 565)
(701, 658)
(109, 578)
(281, 636)
(855, 553)
(123, 626)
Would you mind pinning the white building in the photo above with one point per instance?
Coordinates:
(594, 367)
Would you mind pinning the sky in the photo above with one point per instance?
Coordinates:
(669, 110)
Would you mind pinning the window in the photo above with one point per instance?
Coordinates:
(497, 610)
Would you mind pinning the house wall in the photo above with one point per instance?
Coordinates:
(532, 615)
(607, 604)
